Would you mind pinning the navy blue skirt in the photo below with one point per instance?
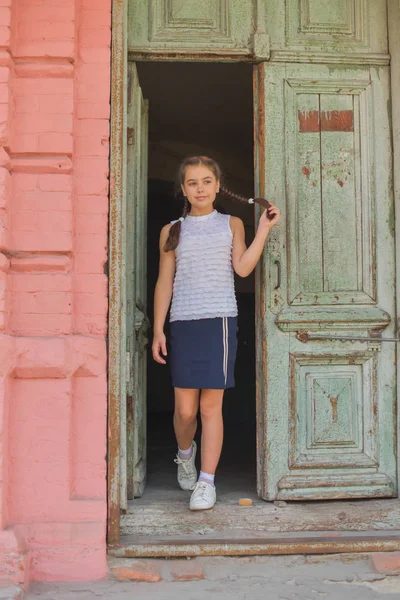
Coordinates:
(203, 353)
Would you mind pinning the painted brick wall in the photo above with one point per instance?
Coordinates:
(54, 138)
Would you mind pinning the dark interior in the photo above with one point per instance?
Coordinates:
(201, 109)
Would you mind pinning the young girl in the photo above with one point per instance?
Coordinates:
(198, 256)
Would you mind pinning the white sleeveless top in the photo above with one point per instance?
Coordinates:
(204, 286)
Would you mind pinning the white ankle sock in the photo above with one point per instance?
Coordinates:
(206, 477)
(185, 454)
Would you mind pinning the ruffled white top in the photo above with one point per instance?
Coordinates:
(204, 286)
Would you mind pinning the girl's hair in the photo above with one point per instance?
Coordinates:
(204, 161)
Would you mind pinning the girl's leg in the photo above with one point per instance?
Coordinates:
(185, 416)
(212, 429)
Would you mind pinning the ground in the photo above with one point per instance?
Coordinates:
(341, 577)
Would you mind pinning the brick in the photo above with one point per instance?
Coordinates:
(41, 86)
(45, 31)
(91, 242)
(28, 282)
(52, 49)
(43, 201)
(97, 127)
(90, 304)
(95, 37)
(5, 187)
(46, 12)
(95, 18)
(90, 262)
(5, 36)
(94, 145)
(97, 186)
(94, 56)
(46, 303)
(41, 263)
(56, 104)
(92, 205)
(39, 433)
(138, 571)
(25, 143)
(40, 325)
(99, 5)
(56, 142)
(44, 123)
(93, 110)
(56, 183)
(95, 325)
(96, 223)
(93, 93)
(386, 562)
(95, 284)
(186, 570)
(4, 93)
(88, 421)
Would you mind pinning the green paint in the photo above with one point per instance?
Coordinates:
(318, 399)
(136, 265)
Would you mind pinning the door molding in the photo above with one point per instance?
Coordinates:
(394, 50)
(116, 354)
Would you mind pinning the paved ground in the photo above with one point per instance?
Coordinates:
(341, 577)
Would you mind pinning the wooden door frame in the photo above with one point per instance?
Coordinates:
(116, 323)
(394, 51)
(116, 353)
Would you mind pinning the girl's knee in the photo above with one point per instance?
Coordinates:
(210, 409)
(185, 414)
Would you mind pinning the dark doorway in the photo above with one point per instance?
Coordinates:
(200, 108)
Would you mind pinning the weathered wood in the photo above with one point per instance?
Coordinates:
(328, 405)
(394, 47)
(195, 27)
(136, 284)
(116, 335)
(254, 543)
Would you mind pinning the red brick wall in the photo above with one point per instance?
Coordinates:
(54, 137)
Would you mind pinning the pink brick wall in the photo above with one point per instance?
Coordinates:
(54, 138)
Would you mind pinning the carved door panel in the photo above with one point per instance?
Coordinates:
(187, 28)
(327, 406)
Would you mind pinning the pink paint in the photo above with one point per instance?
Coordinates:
(54, 123)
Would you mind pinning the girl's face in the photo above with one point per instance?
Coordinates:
(200, 187)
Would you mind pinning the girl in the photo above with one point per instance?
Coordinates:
(198, 256)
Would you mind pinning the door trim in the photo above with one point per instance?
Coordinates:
(116, 358)
(394, 50)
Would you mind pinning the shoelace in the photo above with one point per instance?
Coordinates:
(202, 486)
(183, 463)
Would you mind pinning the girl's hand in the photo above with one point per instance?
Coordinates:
(159, 347)
(271, 219)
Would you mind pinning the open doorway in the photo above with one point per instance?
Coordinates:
(200, 108)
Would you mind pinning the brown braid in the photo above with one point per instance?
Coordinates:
(195, 161)
(175, 230)
(261, 201)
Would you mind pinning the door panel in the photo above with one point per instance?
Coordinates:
(136, 284)
(213, 26)
(327, 421)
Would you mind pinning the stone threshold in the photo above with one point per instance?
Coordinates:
(247, 543)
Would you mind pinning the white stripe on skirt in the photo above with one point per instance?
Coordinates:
(226, 346)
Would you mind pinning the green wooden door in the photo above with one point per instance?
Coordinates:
(327, 408)
(136, 285)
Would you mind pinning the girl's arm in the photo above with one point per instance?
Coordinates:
(162, 297)
(245, 259)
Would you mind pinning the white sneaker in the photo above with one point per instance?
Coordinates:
(187, 474)
(204, 496)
